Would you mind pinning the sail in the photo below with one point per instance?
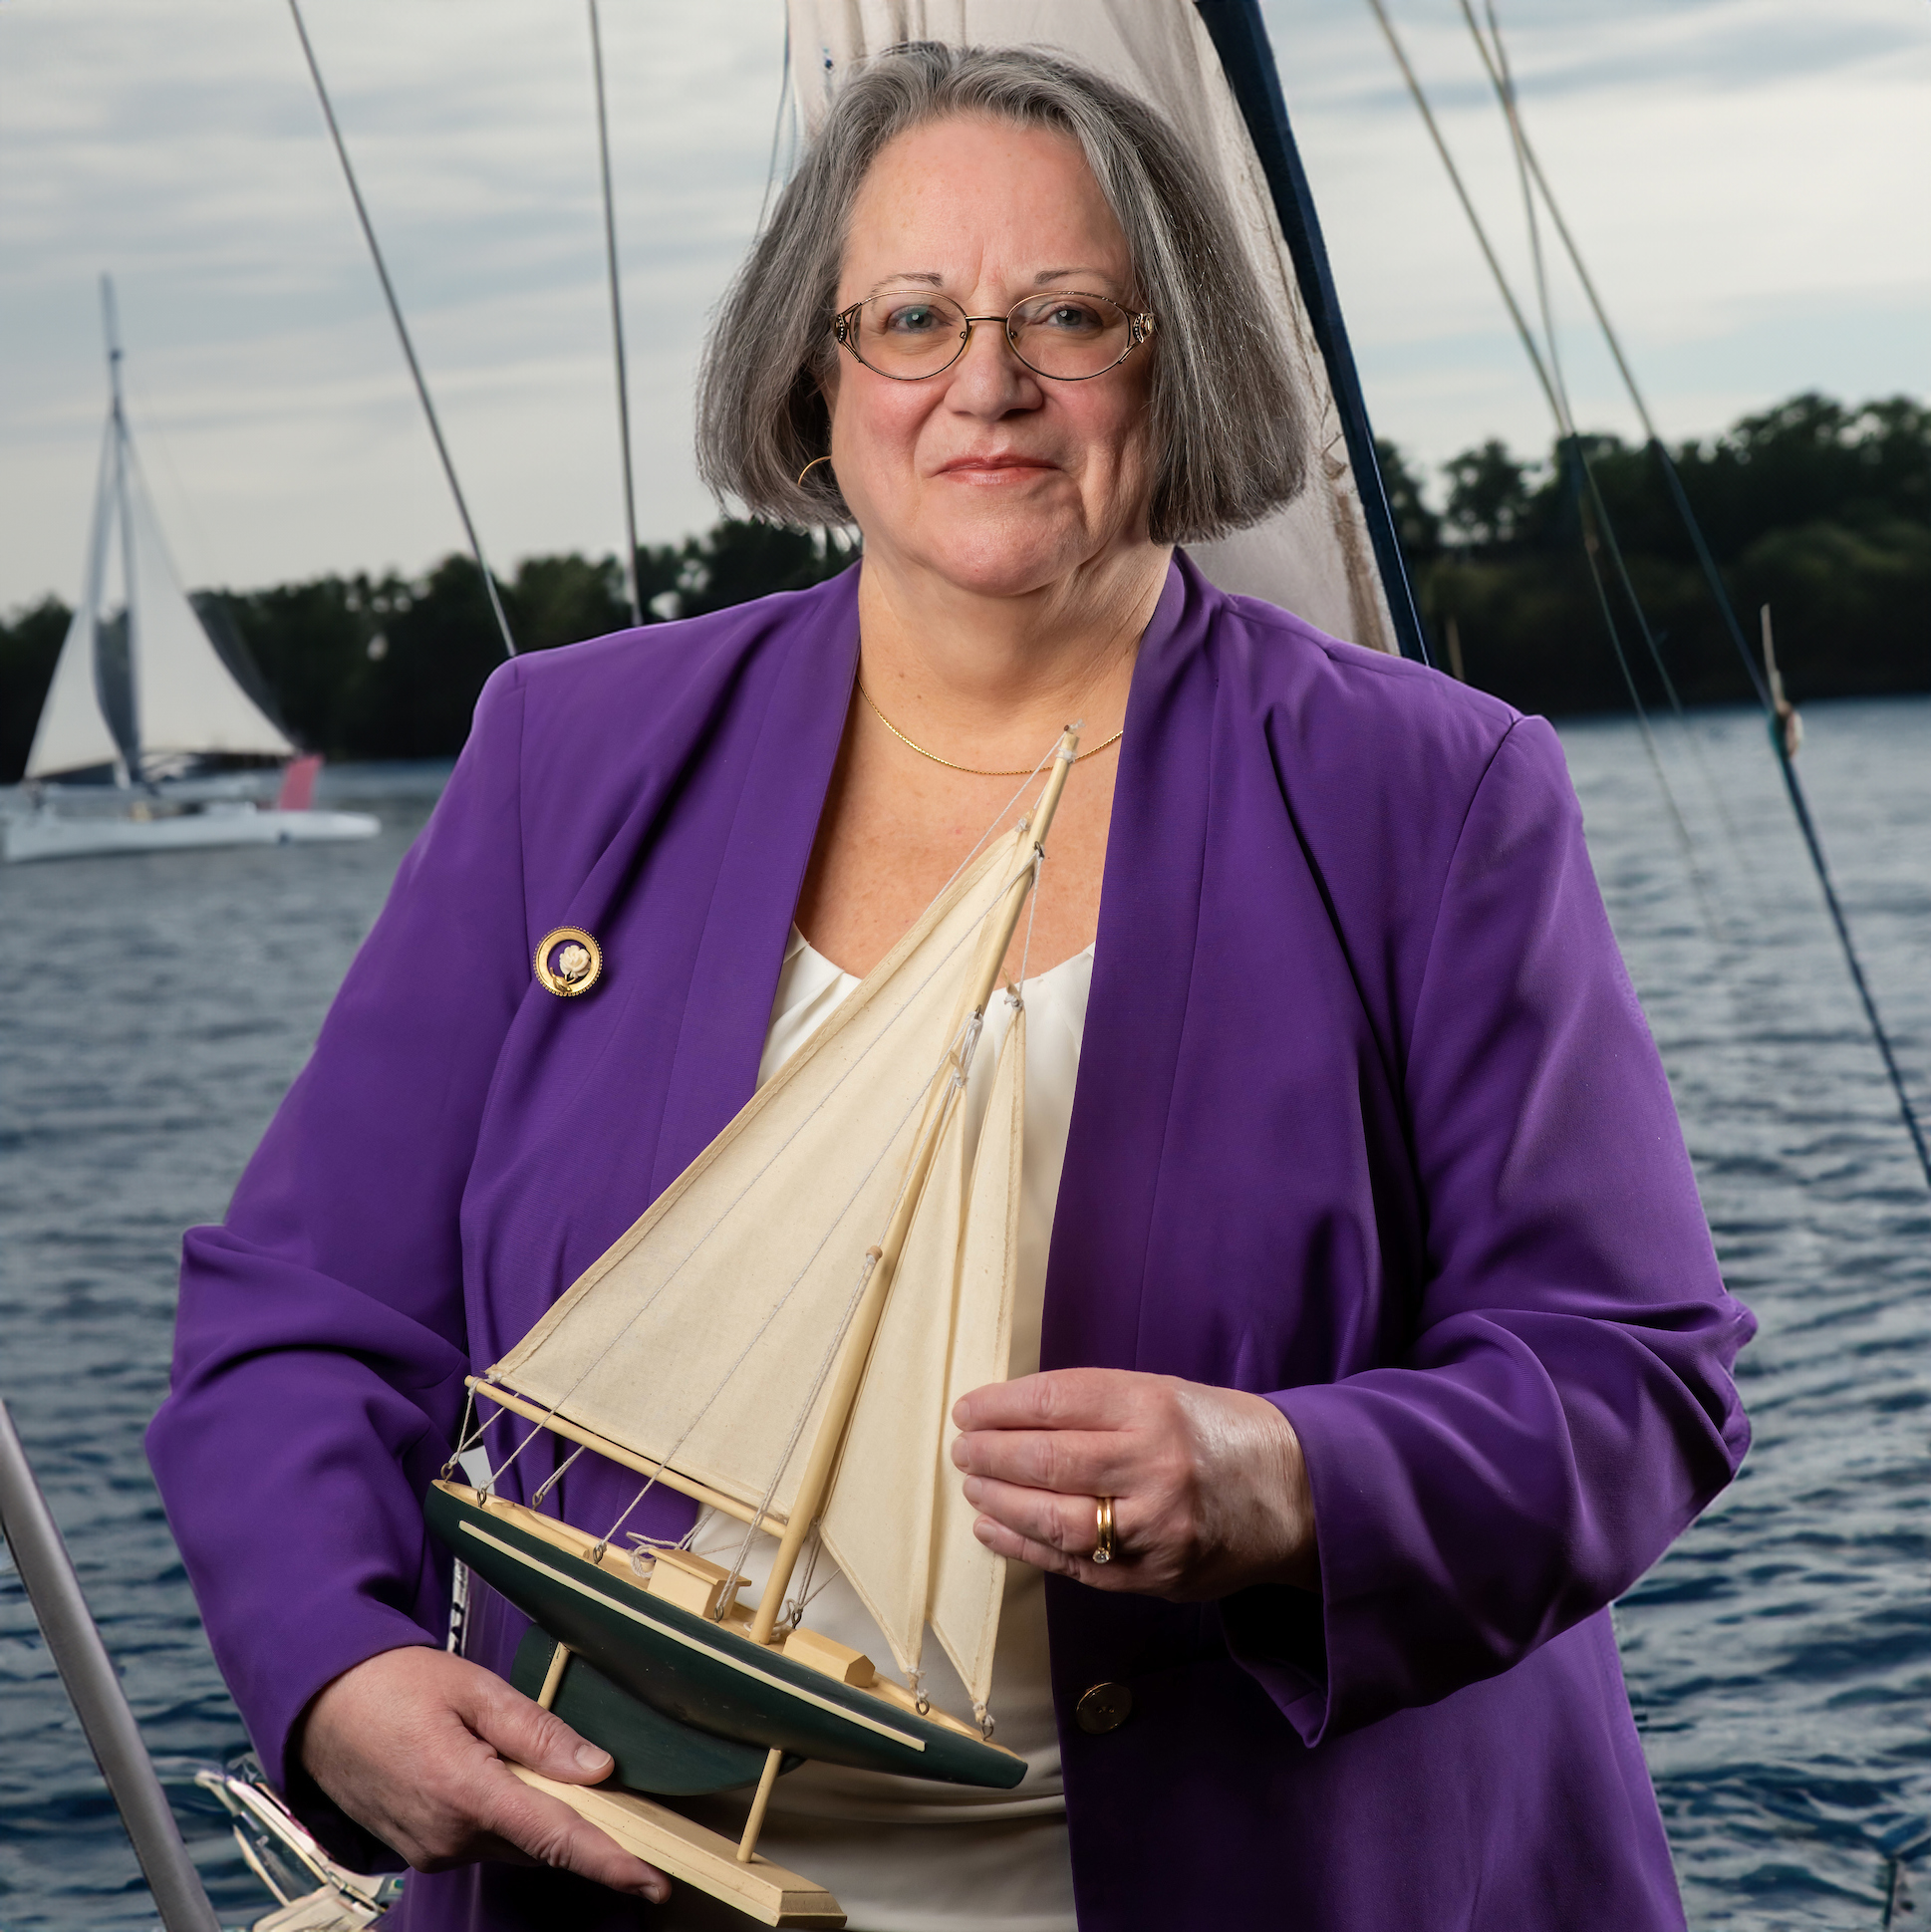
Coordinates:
(188, 702)
(906, 1545)
(1314, 557)
(72, 733)
(144, 683)
(703, 1338)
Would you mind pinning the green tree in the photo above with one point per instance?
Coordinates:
(1487, 497)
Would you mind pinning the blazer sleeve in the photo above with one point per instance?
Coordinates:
(1565, 1406)
(320, 1349)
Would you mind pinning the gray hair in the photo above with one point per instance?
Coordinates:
(1225, 426)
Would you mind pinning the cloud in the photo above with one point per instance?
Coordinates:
(1740, 171)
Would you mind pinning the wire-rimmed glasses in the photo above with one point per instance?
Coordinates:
(1067, 336)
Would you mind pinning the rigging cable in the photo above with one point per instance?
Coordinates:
(1577, 460)
(402, 329)
(1502, 80)
(1564, 429)
(616, 325)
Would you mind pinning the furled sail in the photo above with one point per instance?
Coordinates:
(1314, 556)
(703, 1338)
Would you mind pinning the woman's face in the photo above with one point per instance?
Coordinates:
(997, 480)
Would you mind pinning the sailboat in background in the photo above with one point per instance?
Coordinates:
(141, 692)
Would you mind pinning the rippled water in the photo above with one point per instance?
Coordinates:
(151, 1010)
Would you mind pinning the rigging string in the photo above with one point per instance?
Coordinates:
(1582, 478)
(1496, 66)
(1503, 78)
(1565, 431)
(615, 322)
(402, 330)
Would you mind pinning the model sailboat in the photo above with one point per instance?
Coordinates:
(141, 690)
(782, 1337)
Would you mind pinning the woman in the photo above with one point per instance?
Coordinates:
(1379, 1299)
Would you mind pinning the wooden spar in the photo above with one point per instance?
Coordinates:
(773, 1525)
(1001, 923)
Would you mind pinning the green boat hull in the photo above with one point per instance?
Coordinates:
(655, 1755)
(697, 1673)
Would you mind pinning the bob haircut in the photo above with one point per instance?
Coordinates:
(1226, 429)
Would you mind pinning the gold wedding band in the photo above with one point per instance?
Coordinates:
(1103, 1547)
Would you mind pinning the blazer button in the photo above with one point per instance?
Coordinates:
(1104, 1708)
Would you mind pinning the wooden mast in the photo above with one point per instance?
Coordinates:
(1001, 923)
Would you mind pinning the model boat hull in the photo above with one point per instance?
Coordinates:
(702, 1674)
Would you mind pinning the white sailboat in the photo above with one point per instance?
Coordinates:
(139, 690)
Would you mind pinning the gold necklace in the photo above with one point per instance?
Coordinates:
(973, 771)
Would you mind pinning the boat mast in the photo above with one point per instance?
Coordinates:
(813, 1487)
(117, 420)
(616, 324)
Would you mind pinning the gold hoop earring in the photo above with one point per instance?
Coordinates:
(811, 465)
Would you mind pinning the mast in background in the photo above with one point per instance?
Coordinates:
(616, 324)
(124, 717)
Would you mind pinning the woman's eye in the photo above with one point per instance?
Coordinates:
(1074, 317)
(916, 319)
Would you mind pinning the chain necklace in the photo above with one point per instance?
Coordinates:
(973, 771)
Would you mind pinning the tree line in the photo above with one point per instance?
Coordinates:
(1822, 511)
(1819, 510)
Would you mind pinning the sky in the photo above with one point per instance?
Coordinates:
(1749, 179)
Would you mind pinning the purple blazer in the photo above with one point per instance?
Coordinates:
(1368, 1121)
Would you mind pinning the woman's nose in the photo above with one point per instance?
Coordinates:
(988, 379)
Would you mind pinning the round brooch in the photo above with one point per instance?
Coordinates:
(568, 961)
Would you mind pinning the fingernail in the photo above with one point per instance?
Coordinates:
(972, 1489)
(590, 1758)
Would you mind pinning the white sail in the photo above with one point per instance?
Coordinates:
(72, 733)
(188, 700)
(182, 699)
(702, 1337)
(906, 1545)
(1315, 557)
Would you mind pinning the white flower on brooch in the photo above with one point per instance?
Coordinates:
(572, 964)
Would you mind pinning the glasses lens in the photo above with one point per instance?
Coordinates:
(1070, 336)
(909, 335)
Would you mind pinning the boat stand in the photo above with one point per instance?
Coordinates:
(687, 1852)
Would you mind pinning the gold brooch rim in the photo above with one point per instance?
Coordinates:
(552, 982)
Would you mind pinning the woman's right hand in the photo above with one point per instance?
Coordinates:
(412, 1744)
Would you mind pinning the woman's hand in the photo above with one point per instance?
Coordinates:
(412, 1744)
(1210, 1493)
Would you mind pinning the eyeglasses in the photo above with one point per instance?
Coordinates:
(1065, 337)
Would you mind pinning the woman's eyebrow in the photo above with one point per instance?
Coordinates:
(931, 277)
(1046, 275)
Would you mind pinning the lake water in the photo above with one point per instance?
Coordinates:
(152, 1011)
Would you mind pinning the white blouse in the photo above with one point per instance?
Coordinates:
(898, 1853)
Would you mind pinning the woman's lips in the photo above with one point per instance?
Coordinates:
(996, 469)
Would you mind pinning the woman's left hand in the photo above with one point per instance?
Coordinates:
(1210, 1492)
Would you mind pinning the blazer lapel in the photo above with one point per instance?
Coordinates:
(1150, 911)
(793, 746)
